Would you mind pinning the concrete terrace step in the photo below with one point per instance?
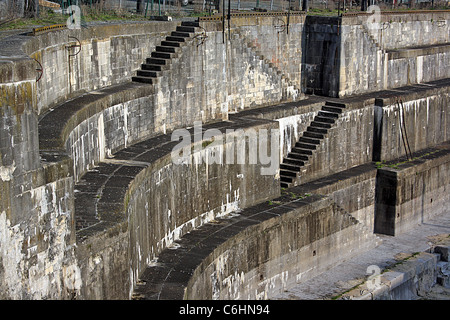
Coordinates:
(170, 44)
(165, 49)
(323, 119)
(309, 140)
(143, 79)
(288, 173)
(314, 135)
(158, 61)
(152, 67)
(180, 34)
(332, 109)
(289, 166)
(286, 179)
(187, 29)
(147, 73)
(318, 124)
(312, 129)
(298, 156)
(328, 114)
(293, 161)
(301, 151)
(190, 23)
(175, 39)
(306, 146)
(161, 55)
(335, 104)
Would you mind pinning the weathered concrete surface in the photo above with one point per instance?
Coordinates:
(255, 253)
(109, 54)
(409, 192)
(352, 189)
(411, 278)
(421, 275)
(366, 51)
(417, 119)
(139, 202)
(36, 207)
(348, 274)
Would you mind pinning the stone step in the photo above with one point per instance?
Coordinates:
(298, 156)
(332, 109)
(292, 161)
(165, 49)
(317, 130)
(286, 179)
(301, 151)
(287, 173)
(161, 55)
(152, 67)
(190, 23)
(323, 119)
(157, 61)
(180, 34)
(188, 29)
(147, 73)
(284, 184)
(322, 125)
(170, 44)
(174, 39)
(313, 135)
(289, 167)
(142, 79)
(335, 104)
(328, 114)
(305, 146)
(309, 140)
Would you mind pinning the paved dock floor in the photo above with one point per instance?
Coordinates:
(351, 272)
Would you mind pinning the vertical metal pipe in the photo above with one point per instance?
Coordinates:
(223, 20)
(229, 19)
(288, 17)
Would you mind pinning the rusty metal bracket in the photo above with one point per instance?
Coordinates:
(201, 37)
(39, 70)
(74, 46)
(441, 23)
(280, 27)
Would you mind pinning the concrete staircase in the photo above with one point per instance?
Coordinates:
(160, 58)
(304, 149)
(290, 91)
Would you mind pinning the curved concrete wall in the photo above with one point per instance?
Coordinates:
(63, 262)
(108, 55)
(265, 259)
